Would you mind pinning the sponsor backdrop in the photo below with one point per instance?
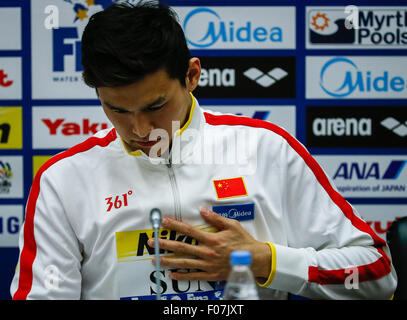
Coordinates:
(334, 76)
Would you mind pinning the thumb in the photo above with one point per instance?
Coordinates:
(215, 219)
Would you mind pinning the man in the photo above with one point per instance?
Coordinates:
(87, 233)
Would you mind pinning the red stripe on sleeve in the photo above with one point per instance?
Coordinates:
(29, 250)
(382, 264)
(367, 272)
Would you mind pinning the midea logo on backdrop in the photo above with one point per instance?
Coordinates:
(218, 30)
(340, 77)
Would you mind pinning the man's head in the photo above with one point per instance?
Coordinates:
(126, 42)
(137, 58)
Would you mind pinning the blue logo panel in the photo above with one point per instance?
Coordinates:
(240, 212)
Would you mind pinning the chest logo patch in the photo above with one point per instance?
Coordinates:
(240, 212)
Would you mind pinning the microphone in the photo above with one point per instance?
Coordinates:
(155, 219)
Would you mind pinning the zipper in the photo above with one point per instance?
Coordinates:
(175, 191)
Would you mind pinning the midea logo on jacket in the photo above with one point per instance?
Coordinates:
(218, 30)
(340, 77)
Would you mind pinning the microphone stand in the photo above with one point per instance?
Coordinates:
(155, 219)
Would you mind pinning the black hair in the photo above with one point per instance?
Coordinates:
(126, 42)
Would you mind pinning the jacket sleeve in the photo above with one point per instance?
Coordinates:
(50, 256)
(331, 253)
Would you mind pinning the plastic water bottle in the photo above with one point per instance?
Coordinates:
(240, 284)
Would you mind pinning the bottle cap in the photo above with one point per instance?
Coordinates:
(241, 257)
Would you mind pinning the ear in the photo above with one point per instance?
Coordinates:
(193, 74)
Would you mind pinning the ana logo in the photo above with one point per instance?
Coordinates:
(4, 81)
(6, 175)
(216, 30)
(265, 79)
(364, 171)
(340, 77)
(395, 126)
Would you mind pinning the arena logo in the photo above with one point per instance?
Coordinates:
(356, 126)
(342, 127)
(216, 77)
(340, 77)
(377, 27)
(238, 27)
(247, 77)
(395, 126)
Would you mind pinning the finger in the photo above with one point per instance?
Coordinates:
(184, 248)
(183, 263)
(216, 220)
(184, 228)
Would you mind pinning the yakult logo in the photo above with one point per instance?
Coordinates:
(64, 127)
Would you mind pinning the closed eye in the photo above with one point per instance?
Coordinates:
(119, 110)
(154, 108)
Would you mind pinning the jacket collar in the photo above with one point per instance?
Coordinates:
(183, 140)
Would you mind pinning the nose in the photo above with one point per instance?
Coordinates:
(141, 125)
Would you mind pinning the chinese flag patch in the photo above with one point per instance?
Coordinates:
(230, 188)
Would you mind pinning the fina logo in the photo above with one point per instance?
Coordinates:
(219, 30)
(355, 79)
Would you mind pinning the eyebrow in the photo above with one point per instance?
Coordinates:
(155, 103)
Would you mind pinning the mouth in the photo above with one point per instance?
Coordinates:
(146, 144)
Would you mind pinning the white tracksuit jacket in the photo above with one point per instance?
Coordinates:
(87, 217)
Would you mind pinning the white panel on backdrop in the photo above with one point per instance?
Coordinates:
(56, 51)
(356, 27)
(366, 77)
(11, 177)
(64, 127)
(380, 216)
(11, 219)
(233, 27)
(283, 116)
(369, 176)
(10, 29)
(10, 78)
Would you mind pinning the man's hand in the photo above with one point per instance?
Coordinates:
(212, 253)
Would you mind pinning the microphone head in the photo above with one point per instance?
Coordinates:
(155, 217)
